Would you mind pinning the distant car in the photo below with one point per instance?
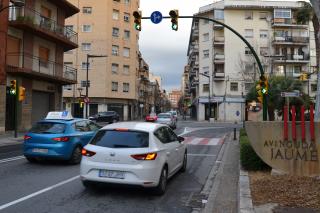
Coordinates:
(175, 114)
(109, 117)
(152, 117)
(58, 139)
(167, 119)
(133, 153)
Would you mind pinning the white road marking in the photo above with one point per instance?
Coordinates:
(12, 159)
(37, 193)
(201, 155)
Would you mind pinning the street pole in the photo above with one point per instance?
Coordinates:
(209, 98)
(87, 88)
(317, 112)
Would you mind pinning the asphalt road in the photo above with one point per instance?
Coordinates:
(56, 187)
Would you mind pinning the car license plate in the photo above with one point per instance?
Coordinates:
(40, 150)
(111, 174)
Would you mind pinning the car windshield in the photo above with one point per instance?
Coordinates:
(121, 139)
(164, 115)
(174, 113)
(48, 128)
(106, 113)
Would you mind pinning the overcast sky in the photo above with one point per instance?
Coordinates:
(163, 49)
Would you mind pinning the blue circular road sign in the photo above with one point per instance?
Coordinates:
(156, 17)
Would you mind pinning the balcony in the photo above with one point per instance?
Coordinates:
(289, 58)
(36, 68)
(219, 58)
(291, 40)
(32, 21)
(290, 23)
(218, 40)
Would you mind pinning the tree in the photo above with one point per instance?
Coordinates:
(278, 84)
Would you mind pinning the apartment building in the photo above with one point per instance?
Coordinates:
(33, 40)
(105, 29)
(222, 68)
(174, 97)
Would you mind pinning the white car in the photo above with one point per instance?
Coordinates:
(134, 153)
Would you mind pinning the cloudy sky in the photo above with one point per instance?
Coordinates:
(163, 49)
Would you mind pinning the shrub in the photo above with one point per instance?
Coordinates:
(248, 157)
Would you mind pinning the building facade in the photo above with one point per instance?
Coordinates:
(112, 78)
(223, 68)
(33, 40)
(174, 97)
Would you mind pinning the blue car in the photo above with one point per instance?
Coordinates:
(58, 139)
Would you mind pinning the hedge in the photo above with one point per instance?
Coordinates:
(248, 157)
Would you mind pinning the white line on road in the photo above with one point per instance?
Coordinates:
(12, 159)
(201, 155)
(37, 193)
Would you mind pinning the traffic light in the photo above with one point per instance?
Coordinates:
(174, 14)
(22, 93)
(264, 85)
(303, 77)
(259, 92)
(81, 102)
(137, 20)
(13, 87)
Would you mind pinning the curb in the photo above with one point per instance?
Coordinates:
(245, 199)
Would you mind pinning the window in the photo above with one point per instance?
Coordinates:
(114, 68)
(84, 66)
(205, 70)
(248, 15)
(206, 37)
(44, 56)
(82, 126)
(263, 15)
(115, 15)
(69, 27)
(93, 127)
(126, 87)
(248, 33)
(116, 0)
(234, 86)
(83, 83)
(127, 1)
(126, 17)
(67, 87)
(87, 10)
(313, 87)
(69, 64)
(247, 51)
(126, 34)
(297, 69)
(86, 46)
(115, 32)
(205, 88)
(205, 53)
(219, 14)
(126, 52)
(86, 28)
(115, 50)
(282, 13)
(248, 86)
(114, 86)
(264, 51)
(263, 33)
(165, 135)
(126, 69)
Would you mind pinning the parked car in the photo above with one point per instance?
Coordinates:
(167, 119)
(152, 117)
(58, 139)
(175, 114)
(109, 117)
(134, 153)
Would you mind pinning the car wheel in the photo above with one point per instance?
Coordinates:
(161, 188)
(31, 160)
(184, 164)
(76, 156)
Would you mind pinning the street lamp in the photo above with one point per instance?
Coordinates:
(87, 79)
(15, 3)
(209, 97)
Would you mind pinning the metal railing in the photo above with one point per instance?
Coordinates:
(33, 63)
(32, 17)
(298, 39)
(294, 57)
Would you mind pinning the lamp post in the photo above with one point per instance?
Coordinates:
(16, 3)
(87, 78)
(209, 97)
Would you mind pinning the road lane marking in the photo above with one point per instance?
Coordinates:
(201, 155)
(37, 193)
(12, 159)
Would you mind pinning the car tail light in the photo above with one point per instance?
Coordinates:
(147, 156)
(87, 153)
(27, 137)
(61, 139)
(156, 118)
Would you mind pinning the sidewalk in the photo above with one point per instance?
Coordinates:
(8, 139)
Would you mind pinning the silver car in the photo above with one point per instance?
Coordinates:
(168, 119)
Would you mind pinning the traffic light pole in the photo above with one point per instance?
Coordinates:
(16, 103)
(265, 105)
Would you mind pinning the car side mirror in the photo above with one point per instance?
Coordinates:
(180, 139)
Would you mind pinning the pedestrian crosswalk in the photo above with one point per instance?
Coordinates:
(203, 141)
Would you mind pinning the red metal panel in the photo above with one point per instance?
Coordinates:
(303, 125)
(285, 123)
(293, 125)
(312, 123)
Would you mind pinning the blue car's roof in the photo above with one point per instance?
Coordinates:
(69, 121)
